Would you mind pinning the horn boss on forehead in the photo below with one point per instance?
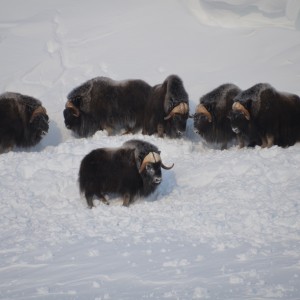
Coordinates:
(238, 106)
(181, 109)
(73, 108)
(151, 157)
(201, 109)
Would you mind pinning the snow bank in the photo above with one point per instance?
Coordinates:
(247, 13)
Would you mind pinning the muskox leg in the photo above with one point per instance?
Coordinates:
(127, 199)
(89, 199)
(102, 198)
(160, 130)
(128, 131)
(264, 142)
(224, 146)
(241, 141)
(270, 141)
(5, 149)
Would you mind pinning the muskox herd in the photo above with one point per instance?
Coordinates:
(258, 116)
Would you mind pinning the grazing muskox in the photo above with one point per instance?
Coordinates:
(23, 121)
(263, 116)
(168, 109)
(211, 115)
(131, 170)
(102, 103)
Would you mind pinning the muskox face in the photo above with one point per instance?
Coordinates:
(202, 124)
(72, 121)
(152, 174)
(175, 106)
(39, 126)
(239, 122)
(176, 125)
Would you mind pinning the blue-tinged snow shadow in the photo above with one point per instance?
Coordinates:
(52, 138)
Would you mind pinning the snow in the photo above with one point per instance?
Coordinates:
(222, 224)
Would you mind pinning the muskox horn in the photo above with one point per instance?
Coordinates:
(37, 111)
(238, 106)
(74, 109)
(153, 157)
(165, 167)
(201, 109)
(181, 109)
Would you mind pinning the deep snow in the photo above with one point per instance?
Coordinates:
(222, 224)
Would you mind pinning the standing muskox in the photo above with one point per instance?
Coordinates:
(263, 116)
(23, 121)
(168, 109)
(102, 103)
(131, 170)
(211, 116)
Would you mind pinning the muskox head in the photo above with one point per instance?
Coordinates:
(148, 162)
(38, 123)
(23, 120)
(202, 119)
(72, 115)
(150, 170)
(77, 112)
(175, 106)
(239, 118)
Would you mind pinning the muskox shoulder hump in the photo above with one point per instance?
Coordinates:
(254, 92)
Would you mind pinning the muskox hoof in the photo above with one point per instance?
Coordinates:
(127, 200)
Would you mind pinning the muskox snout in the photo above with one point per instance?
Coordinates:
(157, 180)
(179, 133)
(235, 130)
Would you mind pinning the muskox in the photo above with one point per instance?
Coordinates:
(211, 116)
(23, 121)
(105, 104)
(131, 170)
(168, 109)
(263, 116)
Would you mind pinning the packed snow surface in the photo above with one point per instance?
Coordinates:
(222, 224)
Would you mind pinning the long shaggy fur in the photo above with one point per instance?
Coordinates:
(164, 98)
(116, 170)
(218, 103)
(18, 126)
(274, 117)
(107, 104)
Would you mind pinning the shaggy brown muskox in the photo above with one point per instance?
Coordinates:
(131, 170)
(211, 116)
(263, 116)
(23, 121)
(168, 109)
(102, 103)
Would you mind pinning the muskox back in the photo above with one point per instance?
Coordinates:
(23, 121)
(102, 103)
(267, 116)
(211, 115)
(168, 109)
